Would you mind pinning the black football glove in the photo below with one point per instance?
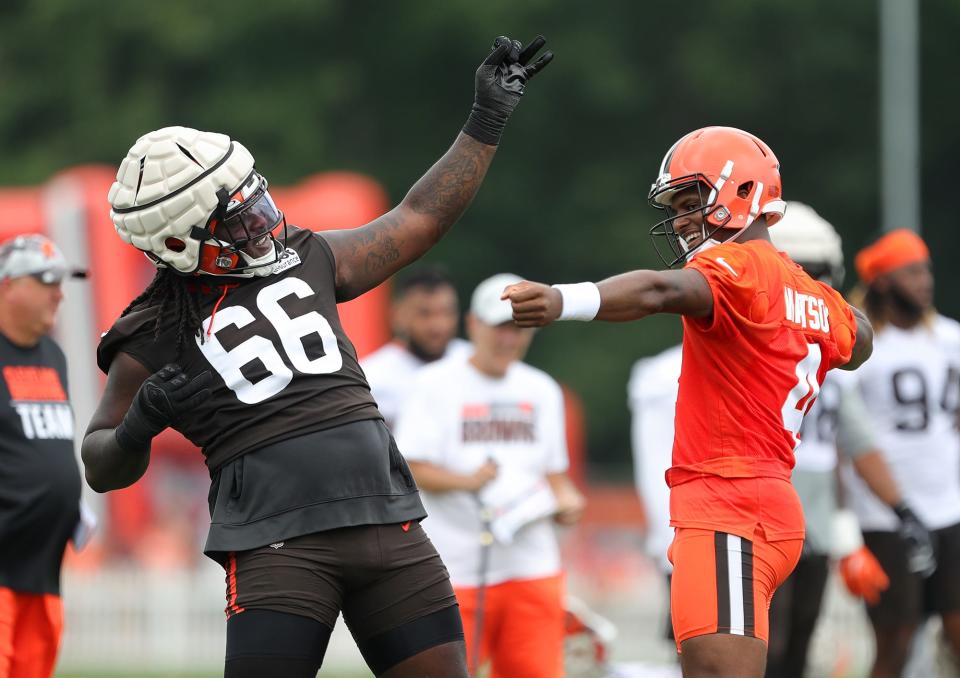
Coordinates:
(162, 398)
(921, 558)
(499, 84)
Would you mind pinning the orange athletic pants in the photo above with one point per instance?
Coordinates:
(522, 630)
(30, 626)
(723, 583)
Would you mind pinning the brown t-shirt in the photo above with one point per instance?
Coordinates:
(282, 365)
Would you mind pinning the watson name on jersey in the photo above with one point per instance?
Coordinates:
(750, 373)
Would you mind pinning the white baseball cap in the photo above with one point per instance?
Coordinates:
(38, 256)
(486, 303)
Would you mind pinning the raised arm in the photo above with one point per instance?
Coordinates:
(135, 407)
(629, 296)
(368, 255)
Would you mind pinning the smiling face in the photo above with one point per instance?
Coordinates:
(687, 209)
(249, 228)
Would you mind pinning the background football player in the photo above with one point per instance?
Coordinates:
(836, 420)
(425, 314)
(911, 389)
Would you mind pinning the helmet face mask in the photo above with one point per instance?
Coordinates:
(676, 250)
(740, 176)
(246, 219)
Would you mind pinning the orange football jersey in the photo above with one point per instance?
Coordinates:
(750, 373)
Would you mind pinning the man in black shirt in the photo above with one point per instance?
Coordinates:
(39, 478)
(237, 344)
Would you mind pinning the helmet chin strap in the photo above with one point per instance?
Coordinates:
(705, 245)
(708, 242)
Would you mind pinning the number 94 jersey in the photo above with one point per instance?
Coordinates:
(910, 387)
(282, 365)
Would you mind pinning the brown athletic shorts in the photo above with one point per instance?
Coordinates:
(379, 576)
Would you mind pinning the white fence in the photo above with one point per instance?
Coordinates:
(123, 620)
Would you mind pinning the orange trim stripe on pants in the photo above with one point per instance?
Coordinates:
(232, 606)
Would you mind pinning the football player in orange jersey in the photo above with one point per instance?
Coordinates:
(759, 337)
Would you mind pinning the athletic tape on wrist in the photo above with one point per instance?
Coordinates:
(581, 301)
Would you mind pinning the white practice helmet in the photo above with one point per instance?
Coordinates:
(192, 200)
(811, 241)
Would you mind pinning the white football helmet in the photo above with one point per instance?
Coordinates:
(193, 201)
(811, 241)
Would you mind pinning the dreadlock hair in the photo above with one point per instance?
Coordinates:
(168, 291)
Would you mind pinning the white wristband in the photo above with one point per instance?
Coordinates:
(580, 301)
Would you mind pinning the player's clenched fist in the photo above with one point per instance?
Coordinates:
(161, 400)
(534, 304)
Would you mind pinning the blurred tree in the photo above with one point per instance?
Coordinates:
(381, 88)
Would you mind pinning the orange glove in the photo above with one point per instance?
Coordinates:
(863, 575)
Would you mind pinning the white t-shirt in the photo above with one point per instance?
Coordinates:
(456, 417)
(652, 395)
(390, 371)
(911, 387)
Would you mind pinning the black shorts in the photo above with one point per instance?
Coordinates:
(911, 597)
(379, 576)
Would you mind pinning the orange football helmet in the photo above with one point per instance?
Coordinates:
(719, 162)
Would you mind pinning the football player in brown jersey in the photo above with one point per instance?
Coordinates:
(237, 344)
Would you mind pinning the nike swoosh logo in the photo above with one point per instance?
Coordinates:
(721, 260)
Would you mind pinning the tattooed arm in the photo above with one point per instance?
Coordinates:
(368, 255)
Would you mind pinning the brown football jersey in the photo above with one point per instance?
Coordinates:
(282, 365)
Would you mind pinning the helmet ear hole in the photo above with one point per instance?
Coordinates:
(743, 190)
(175, 244)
